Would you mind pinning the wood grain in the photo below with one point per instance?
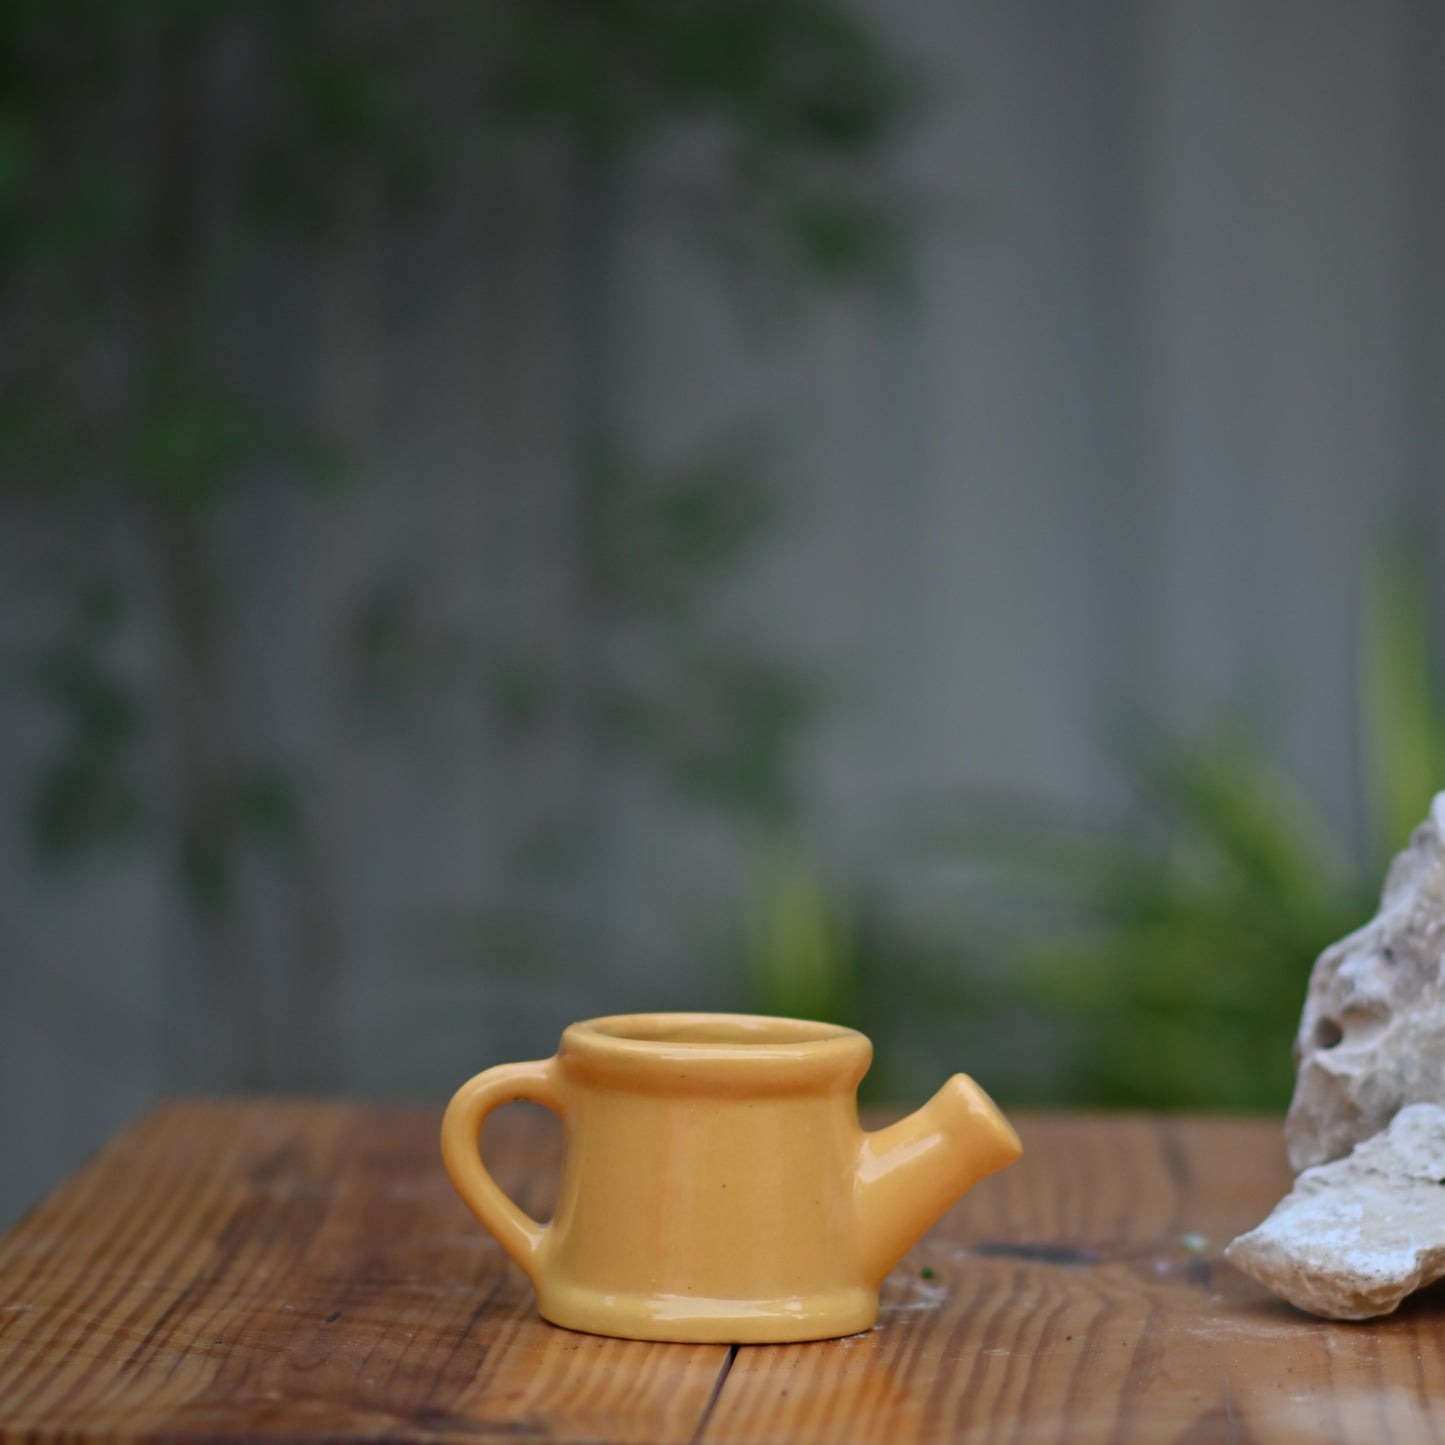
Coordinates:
(1069, 1300)
(275, 1271)
(292, 1271)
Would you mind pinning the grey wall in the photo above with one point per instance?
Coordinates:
(1170, 372)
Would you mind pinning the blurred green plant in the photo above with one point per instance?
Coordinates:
(1174, 954)
(149, 153)
(1402, 706)
(762, 119)
(754, 130)
(1158, 963)
(821, 945)
(669, 699)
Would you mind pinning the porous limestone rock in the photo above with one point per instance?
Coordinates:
(1372, 1036)
(1357, 1235)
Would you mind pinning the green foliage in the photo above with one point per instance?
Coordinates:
(191, 442)
(1173, 954)
(789, 101)
(87, 796)
(124, 232)
(266, 805)
(793, 90)
(661, 539)
(800, 949)
(817, 944)
(1159, 962)
(710, 712)
(1402, 722)
(781, 74)
(727, 733)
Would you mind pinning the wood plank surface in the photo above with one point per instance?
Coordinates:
(286, 1271)
(275, 1271)
(1079, 1297)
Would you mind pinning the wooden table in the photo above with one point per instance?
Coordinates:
(270, 1271)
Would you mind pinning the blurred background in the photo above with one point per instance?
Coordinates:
(918, 514)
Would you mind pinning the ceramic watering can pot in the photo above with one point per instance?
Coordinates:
(716, 1185)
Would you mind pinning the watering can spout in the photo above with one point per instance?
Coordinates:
(910, 1172)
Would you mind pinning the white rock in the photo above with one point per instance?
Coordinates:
(1372, 1036)
(1355, 1236)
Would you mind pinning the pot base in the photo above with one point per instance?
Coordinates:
(686, 1319)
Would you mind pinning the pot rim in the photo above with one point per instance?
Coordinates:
(678, 1049)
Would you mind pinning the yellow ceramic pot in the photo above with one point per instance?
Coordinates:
(716, 1185)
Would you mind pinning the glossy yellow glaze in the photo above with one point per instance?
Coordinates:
(716, 1185)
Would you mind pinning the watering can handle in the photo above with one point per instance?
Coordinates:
(516, 1231)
